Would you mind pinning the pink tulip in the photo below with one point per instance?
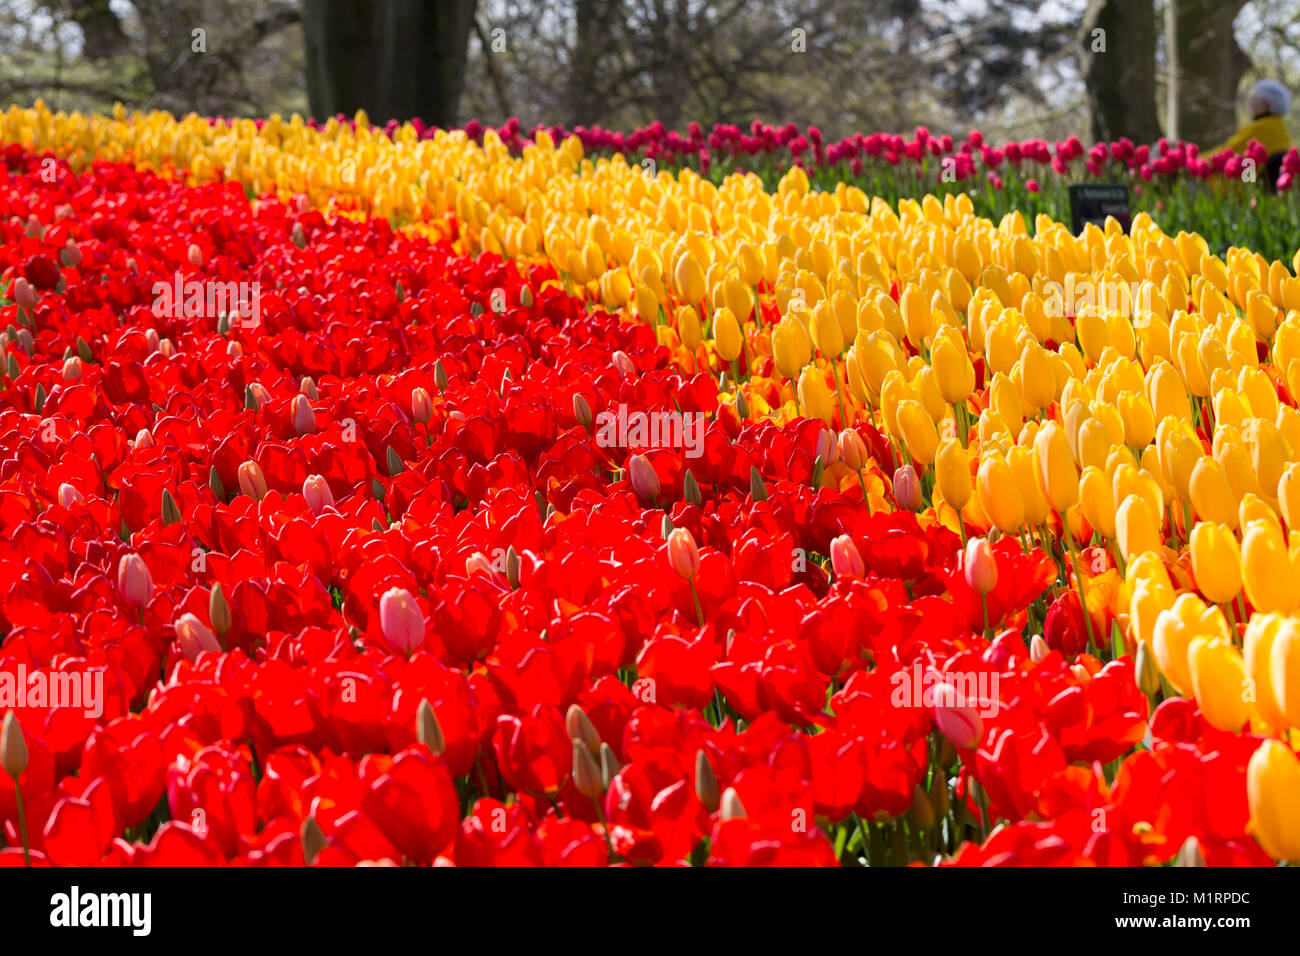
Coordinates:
(980, 566)
(134, 580)
(193, 636)
(421, 405)
(956, 720)
(853, 450)
(644, 478)
(846, 559)
(907, 488)
(401, 620)
(252, 480)
(683, 553)
(69, 495)
(304, 419)
(317, 492)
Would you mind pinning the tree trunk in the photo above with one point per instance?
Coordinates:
(396, 59)
(1118, 40)
(1210, 67)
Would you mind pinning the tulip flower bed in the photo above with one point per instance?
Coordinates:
(367, 574)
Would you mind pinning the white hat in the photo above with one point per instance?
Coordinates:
(1274, 94)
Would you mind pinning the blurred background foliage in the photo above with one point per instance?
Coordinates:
(1013, 68)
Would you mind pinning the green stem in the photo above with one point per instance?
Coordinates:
(22, 824)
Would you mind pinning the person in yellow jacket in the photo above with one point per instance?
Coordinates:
(1269, 104)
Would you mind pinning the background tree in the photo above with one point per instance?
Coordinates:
(396, 59)
(1118, 43)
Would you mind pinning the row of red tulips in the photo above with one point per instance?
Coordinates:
(360, 582)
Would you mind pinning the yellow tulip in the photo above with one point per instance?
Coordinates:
(689, 277)
(954, 373)
(1267, 570)
(1097, 501)
(1190, 618)
(727, 337)
(1257, 658)
(1058, 478)
(1219, 682)
(1216, 562)
(1284, 672)
(688, 327)
(1145, 604)
(814, 395)
(1211, 495)
(1137, 527)
(1273, 793)
(952, 471)
(999, 497)
(919, 433)
(790, 347)
(1288, 496)
(826, 334)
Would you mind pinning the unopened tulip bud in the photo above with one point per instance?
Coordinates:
(193, 636)
(1146, 670)
(215, 483)
(72, 368)
(706, 782)
(1189, 854)
(581, 410)
(401, 620)
(981, 566)
(195, 255)
(939, 793)
(581, 729)
(219, 610)
(742, 405)
(478, 563)
(757, 489)
(134, 580)
(609, 765)
(427, 730)
(691, 489)
(665, 527)
(730, 805)
(907, 488)
(69, 496)
(165, 348)
(586, 772)
(1080, 673)
(644, 479)
(958, 721)
(1038, 648)
(13, 747)
(846, 559)
(252, 480)
(304, 419)
(394, 462)
(313, 840)
(816, 480)
(307, 385)
(921, 813)
(316, 491)
(513, 568)
(440, 376)
(170, 511)
(683, 553)
(23, 293)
